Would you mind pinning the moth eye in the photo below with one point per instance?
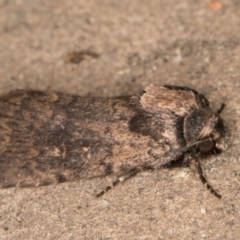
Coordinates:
(206, 146)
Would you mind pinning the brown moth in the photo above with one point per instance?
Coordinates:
(51, 137)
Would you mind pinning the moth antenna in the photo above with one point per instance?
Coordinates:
(221, 109)
(119, 180)
(186, 148)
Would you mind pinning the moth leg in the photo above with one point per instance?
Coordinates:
(120, 179)
(195, 166)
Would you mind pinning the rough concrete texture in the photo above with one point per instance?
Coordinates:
(190, 42)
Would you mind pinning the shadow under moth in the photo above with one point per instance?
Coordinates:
(51, 137)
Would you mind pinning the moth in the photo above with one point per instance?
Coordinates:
(51, 137)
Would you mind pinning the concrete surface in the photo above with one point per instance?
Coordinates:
(190, 42)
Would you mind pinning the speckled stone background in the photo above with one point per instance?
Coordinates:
(190, 42)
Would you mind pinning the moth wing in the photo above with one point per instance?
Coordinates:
(41, 142)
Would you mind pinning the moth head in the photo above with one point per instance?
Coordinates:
(205, 130)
